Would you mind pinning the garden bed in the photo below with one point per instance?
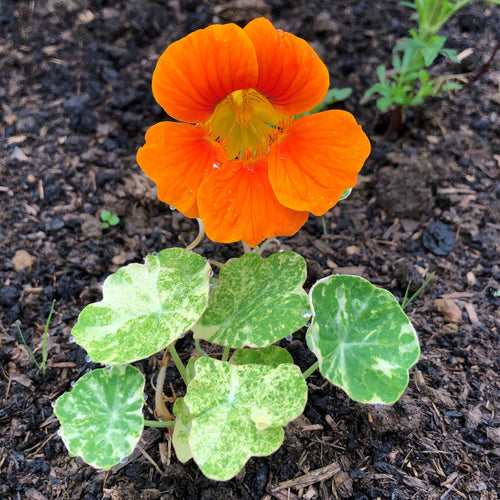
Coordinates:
(76, 102)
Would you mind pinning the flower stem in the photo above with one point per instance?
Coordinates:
(178, 363)
(201, 235)
(310, 370)
(259, 249)
(156, 423)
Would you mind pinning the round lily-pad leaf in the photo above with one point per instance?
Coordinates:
(270, 356)
(363, 340)
(101, 418)
(145, 307)
(237, 411)
(257, 301)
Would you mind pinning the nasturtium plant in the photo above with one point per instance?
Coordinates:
(101, 418)
(257, 301)
(145, 307)
(249, 157)
(364, 341)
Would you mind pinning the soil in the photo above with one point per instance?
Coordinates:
(75, 104)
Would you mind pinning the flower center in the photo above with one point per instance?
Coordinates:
(243, 123)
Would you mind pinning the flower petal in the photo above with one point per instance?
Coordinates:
(291, 75)
(238, 203)
(316, 159)
(178, 157)
(198, 71)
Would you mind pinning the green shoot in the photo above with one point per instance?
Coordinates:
(41, 367)
(406, 301)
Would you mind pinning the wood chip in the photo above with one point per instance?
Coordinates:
(352, 250)
(323, 247)
(472, 313)
(458, 295)
(312, 477)
(22, 379)
(471, 278)
(312, 427)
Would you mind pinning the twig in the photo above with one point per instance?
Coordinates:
(484, 68)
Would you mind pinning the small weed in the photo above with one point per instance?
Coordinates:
(108, 219)
(41, 367)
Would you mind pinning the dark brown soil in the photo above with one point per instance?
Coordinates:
(75, 104)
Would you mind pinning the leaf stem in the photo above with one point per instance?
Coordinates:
(160, 408)
(198, 347)
(156, 423)
(178, 363)
(225, 355)
(310, 370)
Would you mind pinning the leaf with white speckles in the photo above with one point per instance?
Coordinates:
(101, 417)
(244, 416)
(257, 301)
(145, 307)
(363, 340)
(270, 356)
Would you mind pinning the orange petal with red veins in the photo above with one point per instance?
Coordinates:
(195, 73)
(291, 75)
(316, 159)
(238, 203)
(178, 157)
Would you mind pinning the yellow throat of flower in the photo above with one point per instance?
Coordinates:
(243, 123)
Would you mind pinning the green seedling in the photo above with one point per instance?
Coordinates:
(408, 82)
(406, 300)
(108, 219)
(41, 367)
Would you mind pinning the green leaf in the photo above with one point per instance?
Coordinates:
(105, 215)
(181, 431)
(145, 307)
(257, 301)
(336, 95)
(236, 412)
(381, 70)
(114, 220)
(101, 417)
(363, 340)
(384, 102)
(450, 54)
(345, 194)
(270, 356)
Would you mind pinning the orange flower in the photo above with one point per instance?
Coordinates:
(241, 161)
